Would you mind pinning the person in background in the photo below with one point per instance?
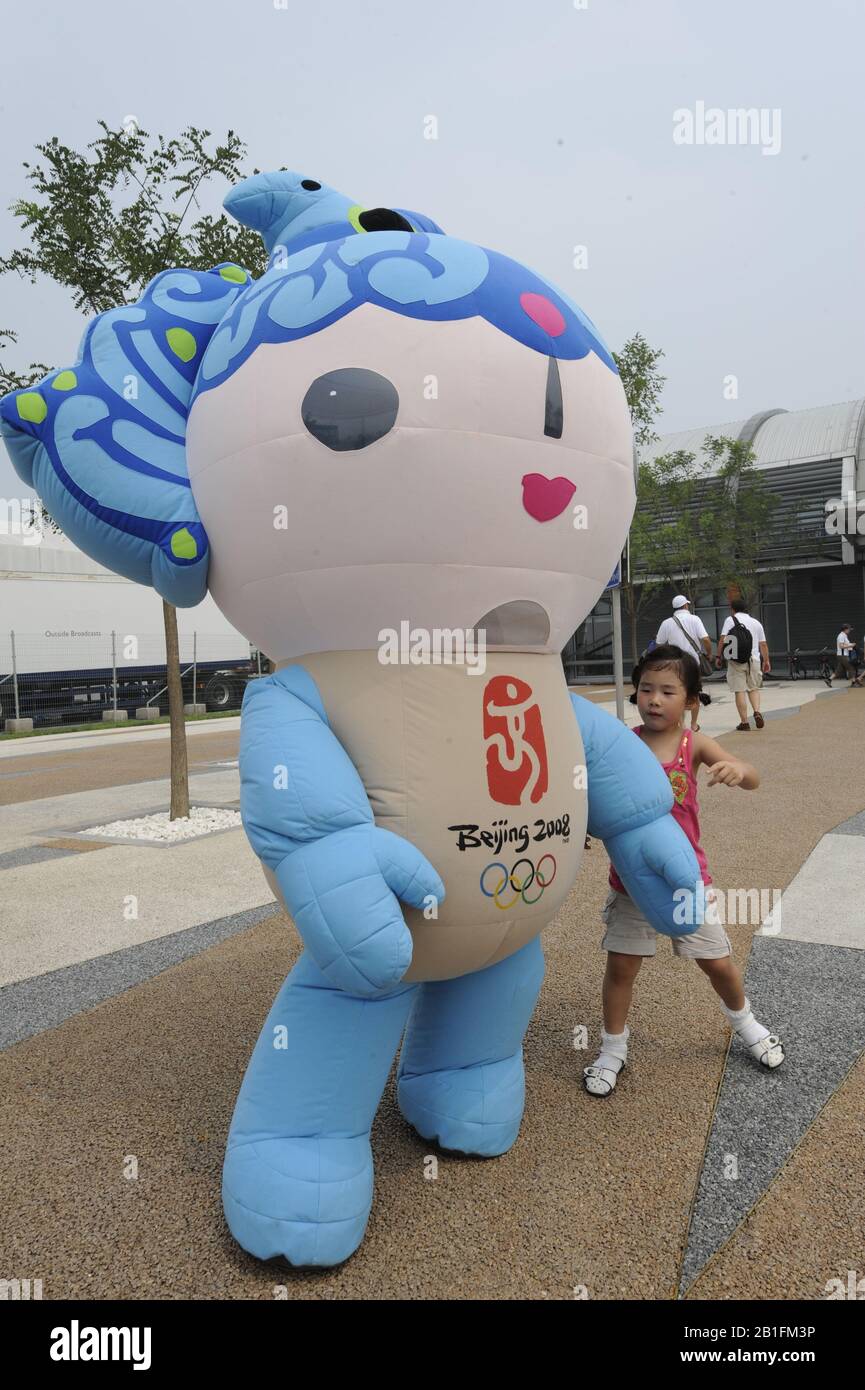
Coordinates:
(844, 650)
(685, 631)
(745, 669)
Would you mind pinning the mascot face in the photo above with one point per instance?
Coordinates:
(403, 427)
(390, 426)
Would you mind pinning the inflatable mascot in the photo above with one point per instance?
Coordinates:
(403, 466)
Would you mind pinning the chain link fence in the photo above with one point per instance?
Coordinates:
(80, 677)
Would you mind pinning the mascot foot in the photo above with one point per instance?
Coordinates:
(472, 1110)
(307, 1199)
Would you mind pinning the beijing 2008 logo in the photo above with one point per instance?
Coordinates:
(516, 751)
(495, 880)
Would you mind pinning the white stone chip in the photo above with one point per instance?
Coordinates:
(202, 820)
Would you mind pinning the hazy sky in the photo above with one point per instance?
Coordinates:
(555, 130)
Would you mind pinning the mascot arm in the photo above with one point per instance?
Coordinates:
(630, 800)
(308, 818)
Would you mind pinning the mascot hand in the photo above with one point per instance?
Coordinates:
(660, 871)
(342, 890)
(670, 861)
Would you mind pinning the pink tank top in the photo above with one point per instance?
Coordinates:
(685, 808)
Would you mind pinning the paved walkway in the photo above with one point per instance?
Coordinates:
(136, 979)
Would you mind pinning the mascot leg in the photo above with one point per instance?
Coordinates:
(461, 1079)
(298, 1175)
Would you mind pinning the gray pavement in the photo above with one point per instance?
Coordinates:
(182, 982)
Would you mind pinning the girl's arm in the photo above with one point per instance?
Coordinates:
(724, 769)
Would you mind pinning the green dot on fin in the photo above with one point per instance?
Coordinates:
(32, 407)
(233, 273)
(65, 381)
(182, 343)
(183, 545)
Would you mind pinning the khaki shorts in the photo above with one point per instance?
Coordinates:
(630, 934)
(744, 675)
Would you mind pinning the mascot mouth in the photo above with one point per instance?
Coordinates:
(546, 498)
(521, 623)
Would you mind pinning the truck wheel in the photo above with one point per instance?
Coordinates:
(222, 693)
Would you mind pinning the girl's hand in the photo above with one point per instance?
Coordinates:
(726, 774)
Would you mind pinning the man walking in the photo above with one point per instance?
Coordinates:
(843, 648)
(743, 643)
(685, 631)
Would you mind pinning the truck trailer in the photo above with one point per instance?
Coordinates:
(77, 641)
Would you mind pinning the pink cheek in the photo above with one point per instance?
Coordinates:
(543, 312)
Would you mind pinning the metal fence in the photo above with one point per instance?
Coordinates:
(68, 677)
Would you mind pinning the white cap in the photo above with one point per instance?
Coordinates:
(680, 601)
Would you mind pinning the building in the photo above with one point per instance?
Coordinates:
(812, 567)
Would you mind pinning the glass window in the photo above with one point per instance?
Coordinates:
(772, 593)
(774, 620)
(708, 618)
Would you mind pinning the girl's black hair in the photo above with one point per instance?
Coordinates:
(685, 666)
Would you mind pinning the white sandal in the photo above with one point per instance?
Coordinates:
(769, 1051)
(601, 1081)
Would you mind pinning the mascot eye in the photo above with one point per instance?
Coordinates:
(310, 184)
(383, 220)
(350, 408)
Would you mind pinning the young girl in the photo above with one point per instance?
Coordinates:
(667, 685)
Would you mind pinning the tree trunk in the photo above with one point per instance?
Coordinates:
(632, 604)
(177, 740)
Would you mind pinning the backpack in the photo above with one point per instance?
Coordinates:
(744, 641)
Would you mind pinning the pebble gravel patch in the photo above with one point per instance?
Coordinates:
(158, 828)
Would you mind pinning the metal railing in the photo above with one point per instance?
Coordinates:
(68, 677)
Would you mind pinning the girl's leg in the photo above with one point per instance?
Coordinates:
(298, 1178)
(619, 977)
(726, 980)
(461, 1079)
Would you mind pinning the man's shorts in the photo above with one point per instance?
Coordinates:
(630, 934)
(744, 675)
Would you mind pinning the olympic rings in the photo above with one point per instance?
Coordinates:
(518, 886)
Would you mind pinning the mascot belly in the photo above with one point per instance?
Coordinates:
(483, 772)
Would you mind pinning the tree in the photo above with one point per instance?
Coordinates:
(703, 520)
(10, 380)
(746, 516)
(102, 223)
(638, 368)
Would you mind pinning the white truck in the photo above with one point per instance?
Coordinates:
(76, 639)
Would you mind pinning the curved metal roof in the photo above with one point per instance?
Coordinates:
(782, 437)
(826, 431)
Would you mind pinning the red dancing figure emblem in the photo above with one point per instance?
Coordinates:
(514, 742)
